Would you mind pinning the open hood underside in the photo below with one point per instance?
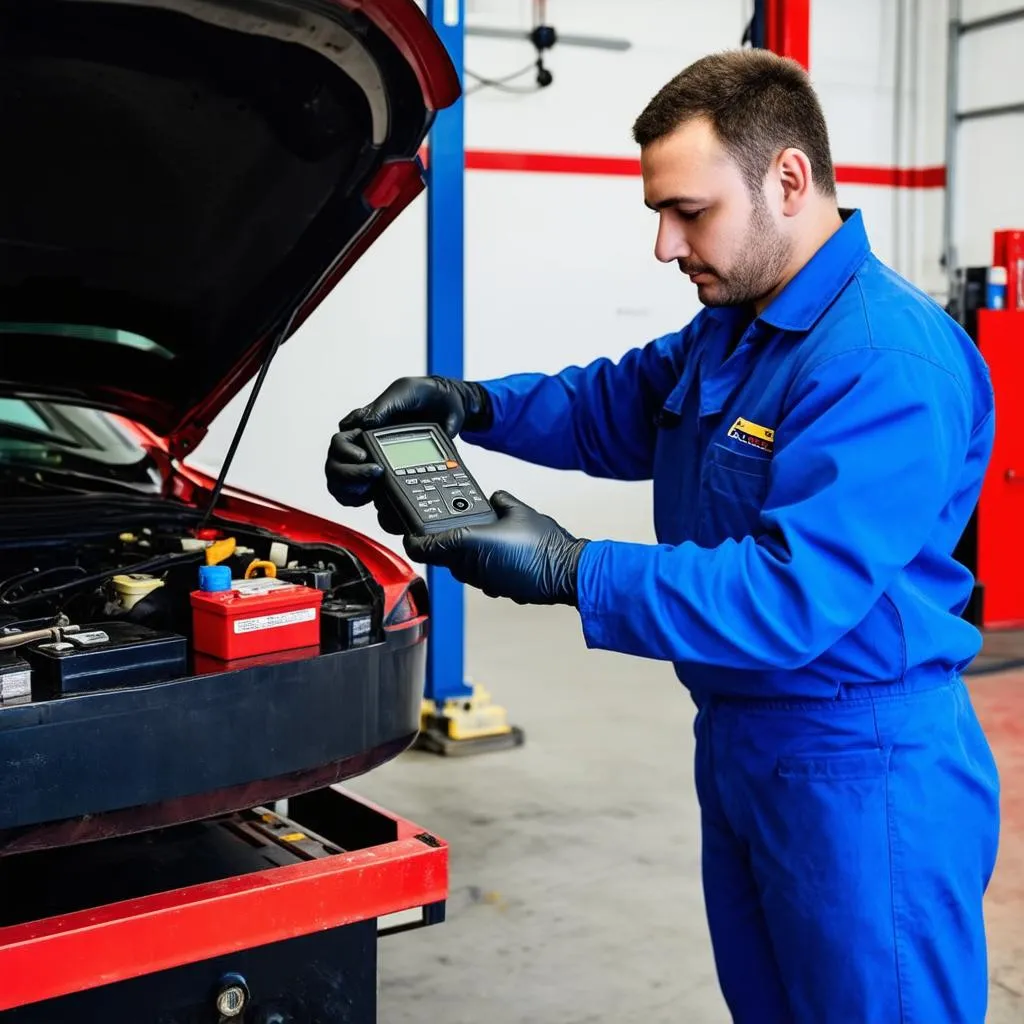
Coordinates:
(181, 175)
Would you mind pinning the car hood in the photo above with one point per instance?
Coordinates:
(182, 177)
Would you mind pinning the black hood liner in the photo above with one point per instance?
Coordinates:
(183, 181)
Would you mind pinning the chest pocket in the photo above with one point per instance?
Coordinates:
(733, 492)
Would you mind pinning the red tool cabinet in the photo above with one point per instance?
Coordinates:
(999, 520)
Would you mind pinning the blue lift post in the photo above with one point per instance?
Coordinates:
(445, 334)
(457, 717)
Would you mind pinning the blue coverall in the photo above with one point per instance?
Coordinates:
(813, 468)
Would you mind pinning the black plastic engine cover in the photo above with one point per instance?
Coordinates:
(96, 765)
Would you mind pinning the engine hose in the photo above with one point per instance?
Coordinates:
(57, 633)
(151, 565)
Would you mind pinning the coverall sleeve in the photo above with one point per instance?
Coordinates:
(871, 449)
(598, 418)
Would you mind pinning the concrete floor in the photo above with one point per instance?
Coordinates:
(575, 884)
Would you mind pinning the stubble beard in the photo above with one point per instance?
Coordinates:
(760, 265)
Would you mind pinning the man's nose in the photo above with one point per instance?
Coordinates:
(671, 244)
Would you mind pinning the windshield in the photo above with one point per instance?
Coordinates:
(47, 425)
(50, 439)
(16, 413)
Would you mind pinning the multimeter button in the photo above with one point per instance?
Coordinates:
(460, 504)
(421, 469)
(400, 472)
(451, 465)
(429, 487)
(412, 481)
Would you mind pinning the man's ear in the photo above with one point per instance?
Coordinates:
(794, 170)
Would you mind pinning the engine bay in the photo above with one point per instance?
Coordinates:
(107, 592)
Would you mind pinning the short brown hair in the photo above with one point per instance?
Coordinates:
(758, 103)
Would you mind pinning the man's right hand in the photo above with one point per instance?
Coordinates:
(453, 405)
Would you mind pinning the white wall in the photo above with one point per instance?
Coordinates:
(987, 192)
(560, 268)
(879, 67)
(921, 135)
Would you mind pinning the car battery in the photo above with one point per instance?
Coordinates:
(319, 579)
(234, 618)
(15, 678)
(345, 625)
(106, 656)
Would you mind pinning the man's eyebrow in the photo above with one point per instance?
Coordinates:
(664, 204)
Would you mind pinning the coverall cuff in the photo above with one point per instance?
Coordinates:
(596, 620)
(484, 436)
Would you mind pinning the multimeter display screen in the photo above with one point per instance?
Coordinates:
(412, 450)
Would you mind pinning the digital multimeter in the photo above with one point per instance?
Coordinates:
(425, 478)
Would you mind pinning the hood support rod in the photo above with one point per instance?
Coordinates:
(246, 413)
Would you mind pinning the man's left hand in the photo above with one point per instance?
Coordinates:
(524, 556)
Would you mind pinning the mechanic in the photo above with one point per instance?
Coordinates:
(817, 437)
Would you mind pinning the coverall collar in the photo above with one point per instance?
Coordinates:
(816, 285)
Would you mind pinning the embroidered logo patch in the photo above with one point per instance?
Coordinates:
(753, 434)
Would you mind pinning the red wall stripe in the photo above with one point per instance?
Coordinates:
(552, 163)
(893, 177)
(629, 167)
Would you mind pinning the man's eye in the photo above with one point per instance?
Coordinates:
(691, 214)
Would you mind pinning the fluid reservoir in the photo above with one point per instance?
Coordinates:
(131, 588)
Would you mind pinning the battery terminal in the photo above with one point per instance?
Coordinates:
(56, 633)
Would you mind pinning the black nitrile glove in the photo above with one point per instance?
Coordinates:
(525, 556)
(452, 404)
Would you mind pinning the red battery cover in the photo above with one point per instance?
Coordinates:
(255, 617)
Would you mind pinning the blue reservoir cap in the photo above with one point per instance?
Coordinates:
(214, 577)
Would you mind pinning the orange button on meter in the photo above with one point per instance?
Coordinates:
(451, 465)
